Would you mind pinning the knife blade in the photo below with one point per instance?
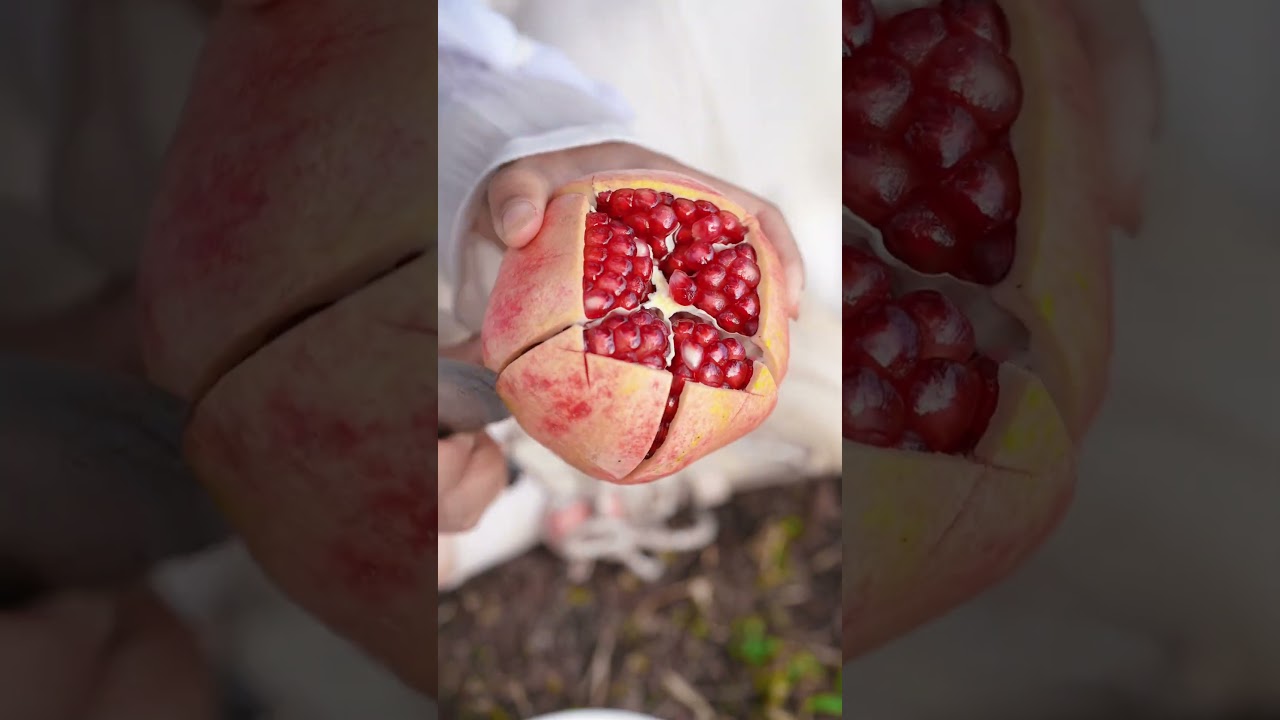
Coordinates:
(93, 487)
(468, 397)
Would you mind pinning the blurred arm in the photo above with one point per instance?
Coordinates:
(502, 97)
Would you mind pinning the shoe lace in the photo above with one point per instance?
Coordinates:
(633, 525)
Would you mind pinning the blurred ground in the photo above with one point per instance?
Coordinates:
(748, 628)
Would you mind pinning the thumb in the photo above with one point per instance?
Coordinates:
(517, 198)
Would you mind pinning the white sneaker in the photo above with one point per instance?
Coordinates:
(587, 521)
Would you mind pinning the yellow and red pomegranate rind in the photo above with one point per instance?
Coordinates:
(659, 180)
(924, 532)
(538, 291)
(318, 447)
(708, 419)
(1060, 284)
(599, 414)
(774, 333)
(928, 532)
(302, 167)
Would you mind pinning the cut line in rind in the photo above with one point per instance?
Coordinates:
(278, 324)
(579, 404)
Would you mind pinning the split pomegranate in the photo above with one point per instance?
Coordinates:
(672, 348)
(976, 296)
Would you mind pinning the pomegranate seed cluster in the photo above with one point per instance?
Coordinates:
(698, 246)
(913, 378)
(929, 97)
(701, 253)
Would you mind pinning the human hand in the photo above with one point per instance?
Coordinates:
(472, 467)
(516, 197)
(101, 655)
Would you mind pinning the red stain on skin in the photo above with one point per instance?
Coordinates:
(384, 554)
(370, 574)
(580, 411)
(306, 428)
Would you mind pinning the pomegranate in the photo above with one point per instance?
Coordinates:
(977, 301)
(643, 328)
(285, 292)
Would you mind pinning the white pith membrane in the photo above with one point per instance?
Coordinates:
(660, 299)
(997, 333)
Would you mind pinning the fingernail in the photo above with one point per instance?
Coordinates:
(515, 216)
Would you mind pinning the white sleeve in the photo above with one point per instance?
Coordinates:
(502, 97)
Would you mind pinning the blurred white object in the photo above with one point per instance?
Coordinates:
(595, 715)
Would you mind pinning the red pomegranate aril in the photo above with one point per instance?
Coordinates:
(912, 35)
(621, 202)
(682, 287)
(645, 199)
(707, 229)
(876, 92)
(748, 306)
(729, 321)
(859, 24)
(991, 256)
(974, 72)
(685, 210)
(983, 193)
(736, 350)
(597, 302)
(603, 197)
(599, 341)
(732, 229)
(706, 207)
(669, 412)
(920, 237)
(945, 332)
(711, 375)
(941, 134)
(888, 337)
(666, 198)
(710, 301)
(598, 235)
(597, 218)
(872, 411)
(734, 287)
(865, 282)
(747, 269)
(737, 373)
(619, 264)
(713, 276)
(981, 18)
(942, 398)
(876, 178)
(662, 220)
(638, 222)
(704, 334)
(612, 283)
